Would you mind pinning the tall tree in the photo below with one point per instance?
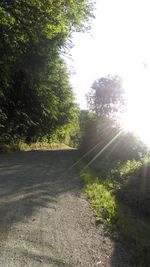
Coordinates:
(35, 96)
(106, 97)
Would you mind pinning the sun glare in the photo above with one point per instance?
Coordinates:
(118, 44)
(136, 119)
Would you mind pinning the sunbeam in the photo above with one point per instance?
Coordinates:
(104, 148)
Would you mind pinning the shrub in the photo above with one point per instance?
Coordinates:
(120, 196)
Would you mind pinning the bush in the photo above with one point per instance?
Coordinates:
(120, 196)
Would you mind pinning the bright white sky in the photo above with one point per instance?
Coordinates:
(119, 43)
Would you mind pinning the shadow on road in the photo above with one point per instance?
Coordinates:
(29, 180)
(33, 180)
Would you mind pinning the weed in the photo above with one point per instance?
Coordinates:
(120, 197)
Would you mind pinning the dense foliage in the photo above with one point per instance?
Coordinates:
(106, 97)
(101, 129)
(120, 196)
(35, 96)
(115, 170)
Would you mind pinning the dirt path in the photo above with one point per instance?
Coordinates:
(45, 219)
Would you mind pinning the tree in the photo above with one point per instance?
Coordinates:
(106, 97)
(35, 96)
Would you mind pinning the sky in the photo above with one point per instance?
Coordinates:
(118, 44)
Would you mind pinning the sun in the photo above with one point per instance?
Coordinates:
(137, 117)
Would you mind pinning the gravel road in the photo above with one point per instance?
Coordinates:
(45, 219)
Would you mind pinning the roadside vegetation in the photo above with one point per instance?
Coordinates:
(42, 145)
(38, 110)
(36, 99)
(115, 170)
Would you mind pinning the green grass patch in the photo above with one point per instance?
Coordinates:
(21, 146)
(120, 197)
(101, 199)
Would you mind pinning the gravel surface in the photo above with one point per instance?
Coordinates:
(45, 219)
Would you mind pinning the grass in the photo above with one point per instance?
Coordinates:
(120, 197)
(21, 146)
(101, 199)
